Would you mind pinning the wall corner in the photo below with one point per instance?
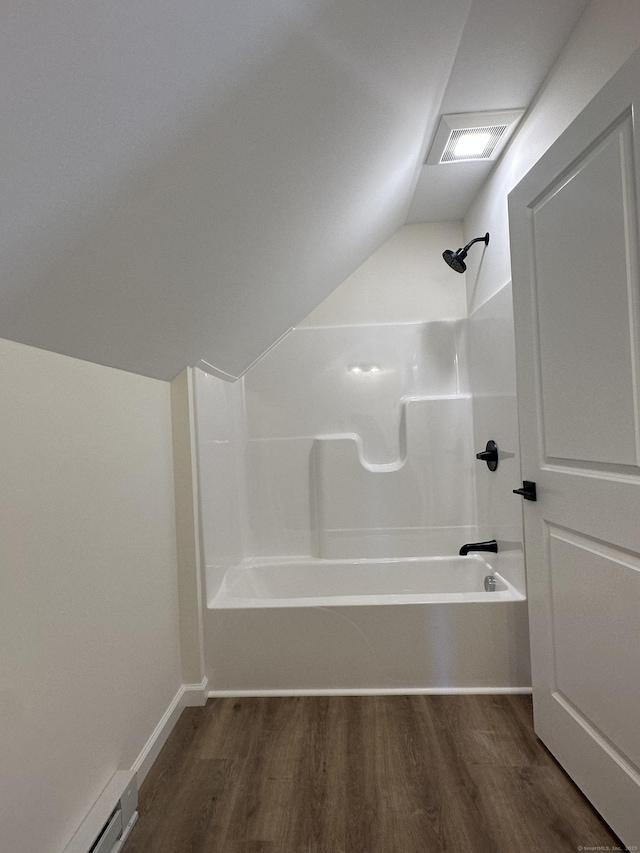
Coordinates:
(187, 527)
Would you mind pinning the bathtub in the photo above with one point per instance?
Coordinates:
(357, 583)
(420, 625)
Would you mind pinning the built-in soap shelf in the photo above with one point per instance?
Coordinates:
(396, 464)
(427, 490)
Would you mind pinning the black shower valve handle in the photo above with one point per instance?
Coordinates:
(489, 455)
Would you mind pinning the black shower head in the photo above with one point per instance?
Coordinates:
(456, 259)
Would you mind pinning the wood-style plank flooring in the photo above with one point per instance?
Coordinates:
(374, 774)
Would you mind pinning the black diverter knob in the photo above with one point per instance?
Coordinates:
(489, 455)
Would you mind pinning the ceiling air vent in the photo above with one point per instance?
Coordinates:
(472, 136)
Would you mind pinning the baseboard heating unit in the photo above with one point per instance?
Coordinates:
(107, 826)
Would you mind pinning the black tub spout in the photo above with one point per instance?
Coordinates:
(489, 545)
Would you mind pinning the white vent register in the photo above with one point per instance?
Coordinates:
(107, 826)
(463, 137)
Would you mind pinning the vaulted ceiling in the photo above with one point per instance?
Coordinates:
(186, 180)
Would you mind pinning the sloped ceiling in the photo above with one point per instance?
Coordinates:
(185, 180)
(506, 51)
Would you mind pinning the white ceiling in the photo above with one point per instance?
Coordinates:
(187, 180)
(506, 51)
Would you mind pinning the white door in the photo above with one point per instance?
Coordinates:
(574, 244)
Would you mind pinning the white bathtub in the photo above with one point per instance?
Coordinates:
(368, 626)
(340, 583)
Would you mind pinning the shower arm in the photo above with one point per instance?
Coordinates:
(484, 239)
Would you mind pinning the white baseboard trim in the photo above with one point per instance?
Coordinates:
(188, 696)
(195, 695)
(373, 691)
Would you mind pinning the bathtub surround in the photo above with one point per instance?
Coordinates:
(419, 504)
(369, 424)
(342, 442)
(492, 377)
(223, 494)
(351, 441)
(366, 380)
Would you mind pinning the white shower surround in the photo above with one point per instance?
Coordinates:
(351, 446)
(343, 442)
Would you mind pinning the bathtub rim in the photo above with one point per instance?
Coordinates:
(221, 601)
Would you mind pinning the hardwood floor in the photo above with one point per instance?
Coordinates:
(374, 774)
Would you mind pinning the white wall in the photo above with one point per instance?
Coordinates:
(89, 657)
(606, 35)
(404, 281)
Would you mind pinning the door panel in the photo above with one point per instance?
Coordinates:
(584, 270)
(607, 689)
(574, 244)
